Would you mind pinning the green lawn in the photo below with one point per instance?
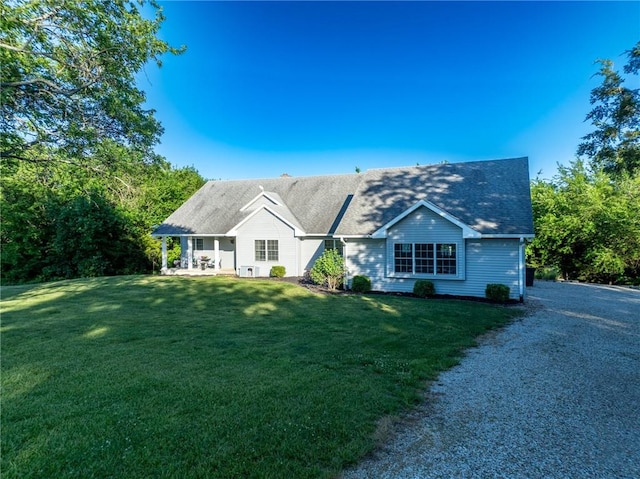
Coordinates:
(213, 377)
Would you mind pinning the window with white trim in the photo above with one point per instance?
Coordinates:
(333, 244)
(266, 250)
(197, 244)
(425, 258)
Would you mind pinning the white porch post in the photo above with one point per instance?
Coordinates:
(216, 254)
(164, 254)
(189, 253)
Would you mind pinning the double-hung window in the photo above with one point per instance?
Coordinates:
(266, 250)
(403, 258)
(446, 258)
(425, 258)
(333, 244)
(197, 244)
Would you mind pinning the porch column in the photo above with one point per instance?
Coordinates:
(164, 254)
(216, 254)
(189, 253)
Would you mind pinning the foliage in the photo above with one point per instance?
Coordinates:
(498, 293)
(67, 81)
(615, 144)
(59, 221)
(147, 376)
(547, 273)
(277, 271)
(361, 284)
(81, 187)
(424, 288)
(587, 225)
(329, 269)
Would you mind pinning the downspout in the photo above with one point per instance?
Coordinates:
(521, 269)
(344, 255)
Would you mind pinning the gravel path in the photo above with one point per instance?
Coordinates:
(554, 395)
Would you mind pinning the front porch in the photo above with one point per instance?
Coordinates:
(198, 272)
(201, 256)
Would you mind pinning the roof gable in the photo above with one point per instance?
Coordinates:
(263, 198)
(467, 232)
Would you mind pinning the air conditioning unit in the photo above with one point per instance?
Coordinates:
(248, 271)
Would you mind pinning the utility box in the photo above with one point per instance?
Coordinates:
(248, 271)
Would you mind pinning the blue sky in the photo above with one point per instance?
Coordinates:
(309, 88)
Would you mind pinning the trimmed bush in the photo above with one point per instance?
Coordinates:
(498, 293)
(277, 272)
(328, 269)
(424, 288)
(361, 284)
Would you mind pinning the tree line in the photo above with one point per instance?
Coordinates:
(587, 218)
(81, 186)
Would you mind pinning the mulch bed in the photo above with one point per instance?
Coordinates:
(310, 285)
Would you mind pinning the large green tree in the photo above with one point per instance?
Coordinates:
(81, 185)
(587, 225)
(67, 80)
(614, 145)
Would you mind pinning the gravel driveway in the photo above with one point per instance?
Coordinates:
(554, 395)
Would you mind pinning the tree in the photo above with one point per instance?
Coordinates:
(329, 269)
(587, 225)
(615, 144)
(67, 80)
(60, 221)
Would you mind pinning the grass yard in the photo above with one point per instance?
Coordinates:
(213, 377)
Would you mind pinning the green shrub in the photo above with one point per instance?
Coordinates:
(498, 293)
(549, 273)
(361, 284)
(277, 272)
(424, 288)
(328, 269)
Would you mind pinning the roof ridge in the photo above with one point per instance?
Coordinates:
(444, 163)
(290, 178)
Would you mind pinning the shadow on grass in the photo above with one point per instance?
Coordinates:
(154, 376)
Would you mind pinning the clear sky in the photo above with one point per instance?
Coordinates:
(309, 88)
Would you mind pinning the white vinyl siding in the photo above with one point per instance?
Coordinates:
(425, 245)
(486, 261)
(312, 248)
(492, 261)
(367, 257)
(266, 227)
(478, 262)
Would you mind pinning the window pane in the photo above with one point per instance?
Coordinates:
(403, 258)
(272, 250)
(446, 258)
(197, 244)
(333, 244)
(424, 258)
(260, 250)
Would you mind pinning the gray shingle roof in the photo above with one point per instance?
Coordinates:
(493, 197)
(314, 201)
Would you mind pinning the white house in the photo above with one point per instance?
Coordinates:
(460, 225)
